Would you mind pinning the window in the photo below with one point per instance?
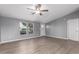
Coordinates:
(30, 28)
(26, 28)
(23, 28)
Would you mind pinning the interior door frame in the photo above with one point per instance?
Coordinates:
(75, 29)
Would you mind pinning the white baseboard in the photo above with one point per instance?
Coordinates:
(18, 39)
(58, 37)
(33, 37)
(62, 38)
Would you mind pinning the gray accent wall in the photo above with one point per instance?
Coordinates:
(58, 27)
(42, 29)
(10, 29)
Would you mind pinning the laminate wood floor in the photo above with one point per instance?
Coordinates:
(41, 45)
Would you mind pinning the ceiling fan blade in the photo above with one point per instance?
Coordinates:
(44, 10)
(33, 13)
(30, 9)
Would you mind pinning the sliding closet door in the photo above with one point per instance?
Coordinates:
(73, 29)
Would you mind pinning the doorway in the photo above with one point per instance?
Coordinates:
(73, 29)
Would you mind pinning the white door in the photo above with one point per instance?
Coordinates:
(73, 29)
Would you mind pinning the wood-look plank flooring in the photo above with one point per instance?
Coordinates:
(41, 45)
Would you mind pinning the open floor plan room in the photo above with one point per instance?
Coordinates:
(39, 29)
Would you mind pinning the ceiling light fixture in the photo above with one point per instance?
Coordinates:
(37, 9)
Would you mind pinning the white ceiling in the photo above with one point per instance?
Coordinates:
(20, 11)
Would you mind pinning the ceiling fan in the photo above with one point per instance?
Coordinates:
(37, 9)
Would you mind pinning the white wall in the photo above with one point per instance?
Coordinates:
(10, 29)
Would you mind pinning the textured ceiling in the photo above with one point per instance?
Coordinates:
(20, 11)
